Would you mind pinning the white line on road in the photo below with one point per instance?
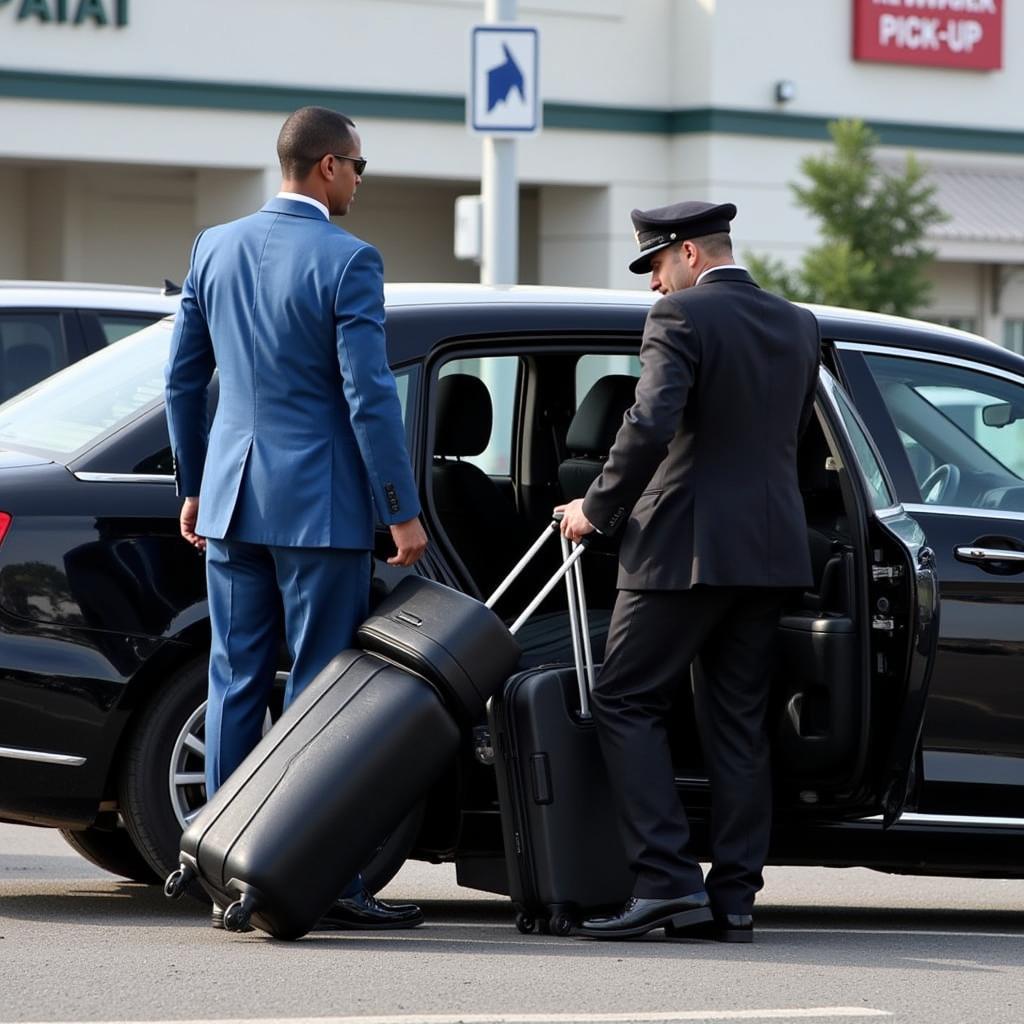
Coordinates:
(667, 1017)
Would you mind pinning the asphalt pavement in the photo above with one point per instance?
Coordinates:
(77, 944)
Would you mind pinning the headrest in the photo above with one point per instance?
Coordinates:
(597, 420)
(463, 415)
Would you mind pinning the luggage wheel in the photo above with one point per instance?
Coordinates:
(178, 881)
(238, 915)
(560, 924)
(526, 924)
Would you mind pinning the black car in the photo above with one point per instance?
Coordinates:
(912, 472)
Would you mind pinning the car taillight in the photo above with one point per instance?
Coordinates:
(5, 523)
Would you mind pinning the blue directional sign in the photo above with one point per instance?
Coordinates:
(504, 95)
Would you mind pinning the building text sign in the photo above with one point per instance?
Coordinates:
(70, 12)
(939, 33)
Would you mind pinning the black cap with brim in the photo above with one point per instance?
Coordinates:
(659, 228)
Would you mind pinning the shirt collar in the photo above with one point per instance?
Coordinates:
(300, 198)
(723, 266)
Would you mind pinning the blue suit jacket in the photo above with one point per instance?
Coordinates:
(308, 433)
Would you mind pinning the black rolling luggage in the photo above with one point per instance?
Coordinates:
(563, 849)
(306, 809)
(360, 746)
(452, 639)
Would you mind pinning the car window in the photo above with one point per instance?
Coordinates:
(962, 429)
(878, 487)
(116, 326)
(32, 346)
(499, 374)
(590, 368)
(75, 408)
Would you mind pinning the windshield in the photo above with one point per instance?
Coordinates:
(72, 410)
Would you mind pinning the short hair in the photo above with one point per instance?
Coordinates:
(715, 245)
(308, 135)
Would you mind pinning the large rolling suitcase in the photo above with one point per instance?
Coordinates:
(354, 752)
(306, 809)
(563, 849)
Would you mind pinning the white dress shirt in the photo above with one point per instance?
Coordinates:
(300, 198)
(724, 266)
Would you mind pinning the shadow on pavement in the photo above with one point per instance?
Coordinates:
(810, 935)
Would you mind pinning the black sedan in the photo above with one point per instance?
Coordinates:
(913, 479)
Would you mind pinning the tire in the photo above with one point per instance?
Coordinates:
(155, 809)
(112, 850)
(166, 742)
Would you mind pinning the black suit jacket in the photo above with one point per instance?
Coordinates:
(702, 478)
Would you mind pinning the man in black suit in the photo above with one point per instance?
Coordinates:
(702, 483)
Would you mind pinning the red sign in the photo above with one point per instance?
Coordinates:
(941, 33)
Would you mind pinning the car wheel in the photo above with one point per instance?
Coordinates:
(162, 785)
(112, 850)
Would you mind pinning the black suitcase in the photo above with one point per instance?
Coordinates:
(452, 639)
(342, 766)
(563, 849)
(306, 809)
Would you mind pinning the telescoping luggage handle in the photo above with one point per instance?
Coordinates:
(579, 626)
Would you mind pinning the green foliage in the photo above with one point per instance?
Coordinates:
(873, 223)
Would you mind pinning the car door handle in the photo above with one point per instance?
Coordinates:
(976, 555)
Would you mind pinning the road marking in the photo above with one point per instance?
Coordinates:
(667, 1017)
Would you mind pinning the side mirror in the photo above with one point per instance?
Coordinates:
(999, 415)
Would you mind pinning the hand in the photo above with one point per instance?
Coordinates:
(575, 525)
(411, 541)
(189, 515)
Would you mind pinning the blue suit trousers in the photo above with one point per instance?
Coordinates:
(322, 595)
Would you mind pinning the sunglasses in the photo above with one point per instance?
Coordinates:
(358, 162)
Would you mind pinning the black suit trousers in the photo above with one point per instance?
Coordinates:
(654, 637)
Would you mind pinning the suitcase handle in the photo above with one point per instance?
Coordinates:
(579, 626)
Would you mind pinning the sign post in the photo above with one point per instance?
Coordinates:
(503, 102)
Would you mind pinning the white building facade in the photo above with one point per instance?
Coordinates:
(126, 126)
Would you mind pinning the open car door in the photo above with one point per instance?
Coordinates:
(902, 614)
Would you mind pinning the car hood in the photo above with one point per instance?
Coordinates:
(21, 460)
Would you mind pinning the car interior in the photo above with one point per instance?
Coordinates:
(556, 413)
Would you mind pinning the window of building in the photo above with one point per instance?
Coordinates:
(1013, 335)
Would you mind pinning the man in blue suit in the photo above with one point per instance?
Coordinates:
(306, 445)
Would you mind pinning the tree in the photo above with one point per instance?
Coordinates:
(873, 223)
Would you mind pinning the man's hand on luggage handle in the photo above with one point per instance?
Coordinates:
(411, 541)
(187, 521)
(575, 525)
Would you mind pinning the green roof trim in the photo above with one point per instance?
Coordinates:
(158, 92)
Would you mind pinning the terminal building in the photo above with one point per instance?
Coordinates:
(126, 126)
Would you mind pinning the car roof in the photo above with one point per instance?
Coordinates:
(81, 295)
(836, 323)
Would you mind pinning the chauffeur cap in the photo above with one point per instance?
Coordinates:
(655, 229)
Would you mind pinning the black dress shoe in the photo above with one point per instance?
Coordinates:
(641, 915)
(365, 911)
(722, 928)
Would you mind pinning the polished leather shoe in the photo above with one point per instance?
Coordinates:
(365, 911)
(721, 928)
(641, 915)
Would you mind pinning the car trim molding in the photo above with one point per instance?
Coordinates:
(964, 511)
(966, 820)
(123, 478)
(42, 757)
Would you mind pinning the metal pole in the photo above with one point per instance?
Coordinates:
(499, 188)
